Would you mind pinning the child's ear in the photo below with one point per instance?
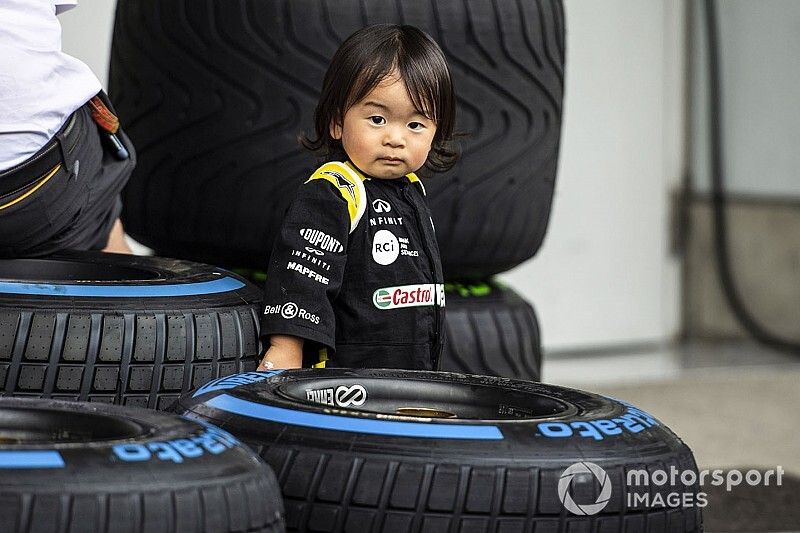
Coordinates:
(336, 130)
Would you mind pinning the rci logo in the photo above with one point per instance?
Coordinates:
(381, 206)
(385, 247)
(581, 469)
(289, 310)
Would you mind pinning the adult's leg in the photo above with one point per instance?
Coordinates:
(116, 240)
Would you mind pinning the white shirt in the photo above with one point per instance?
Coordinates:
(40, 86)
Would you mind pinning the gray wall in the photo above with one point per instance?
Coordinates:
(759, 50)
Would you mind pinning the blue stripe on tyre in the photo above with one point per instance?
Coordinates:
(31, 459)
(354, 425)
(122, 291)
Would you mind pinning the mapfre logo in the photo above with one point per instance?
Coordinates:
(409, 296)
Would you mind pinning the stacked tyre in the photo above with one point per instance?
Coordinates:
(219, 161)
(121, 329)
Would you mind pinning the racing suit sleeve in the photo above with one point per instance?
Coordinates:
(307, 265)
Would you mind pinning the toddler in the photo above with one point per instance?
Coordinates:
(355, 278)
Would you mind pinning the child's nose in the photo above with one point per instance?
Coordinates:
(394, 138)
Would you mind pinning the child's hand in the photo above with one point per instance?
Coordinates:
(284, 351)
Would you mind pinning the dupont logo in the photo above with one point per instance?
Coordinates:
(322, 240)
(409, 296)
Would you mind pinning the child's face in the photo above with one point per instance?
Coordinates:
(383, 134)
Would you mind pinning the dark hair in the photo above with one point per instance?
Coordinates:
(366, 58)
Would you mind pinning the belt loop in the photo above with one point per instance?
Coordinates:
(71, 129)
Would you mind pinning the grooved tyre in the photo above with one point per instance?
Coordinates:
(69, 467)
(402, 451)
(491, 330)
(213, 95)
(123, 329)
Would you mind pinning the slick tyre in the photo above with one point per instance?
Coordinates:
(69, 467)
(492, 331)
(123, 329)
(214, 94)
(403, 451)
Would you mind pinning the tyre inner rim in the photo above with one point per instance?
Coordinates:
(45, 426)
(60, 270)
(425, 399)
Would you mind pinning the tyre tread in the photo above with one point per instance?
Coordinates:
(407, 495)
(496, 335)
(129, 357)
(173, 511)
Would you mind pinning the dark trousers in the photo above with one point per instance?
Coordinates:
(66, 196)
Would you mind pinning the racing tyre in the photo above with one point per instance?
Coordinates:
(214, 94)
(69, 467)
(398, 451)
(123, 329)
(491, 330)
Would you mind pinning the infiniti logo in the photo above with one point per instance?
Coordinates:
(381, 206)
(581, 469)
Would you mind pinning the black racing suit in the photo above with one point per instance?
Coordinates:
(356, 271)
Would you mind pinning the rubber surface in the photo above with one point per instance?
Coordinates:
(163, 328)
(492, 331)
(336, 477)
(152, 473)
(214, 95)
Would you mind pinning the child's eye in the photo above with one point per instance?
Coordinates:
(416, 126)
(376, 119)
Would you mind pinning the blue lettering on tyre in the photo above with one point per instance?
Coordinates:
(213, 440)
(633, 421)
(233, 381)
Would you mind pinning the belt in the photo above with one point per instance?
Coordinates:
(30, 171)
(57, 151)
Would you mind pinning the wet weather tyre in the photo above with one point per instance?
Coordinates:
(214, 94)
(70, 467)
(492, 331)
(403, 451)
(122, 329)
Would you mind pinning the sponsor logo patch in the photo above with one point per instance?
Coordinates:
(409, 296)
(386, 221)
(320, 239)
(290, 310)
(343, 183)
(341, 396)
(385, 247)
(313, 259)
(381, 206)
(307, 272)
(404, 248)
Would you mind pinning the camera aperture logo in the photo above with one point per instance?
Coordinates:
(565, 482)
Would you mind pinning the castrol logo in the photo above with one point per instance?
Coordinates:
(409, 296)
